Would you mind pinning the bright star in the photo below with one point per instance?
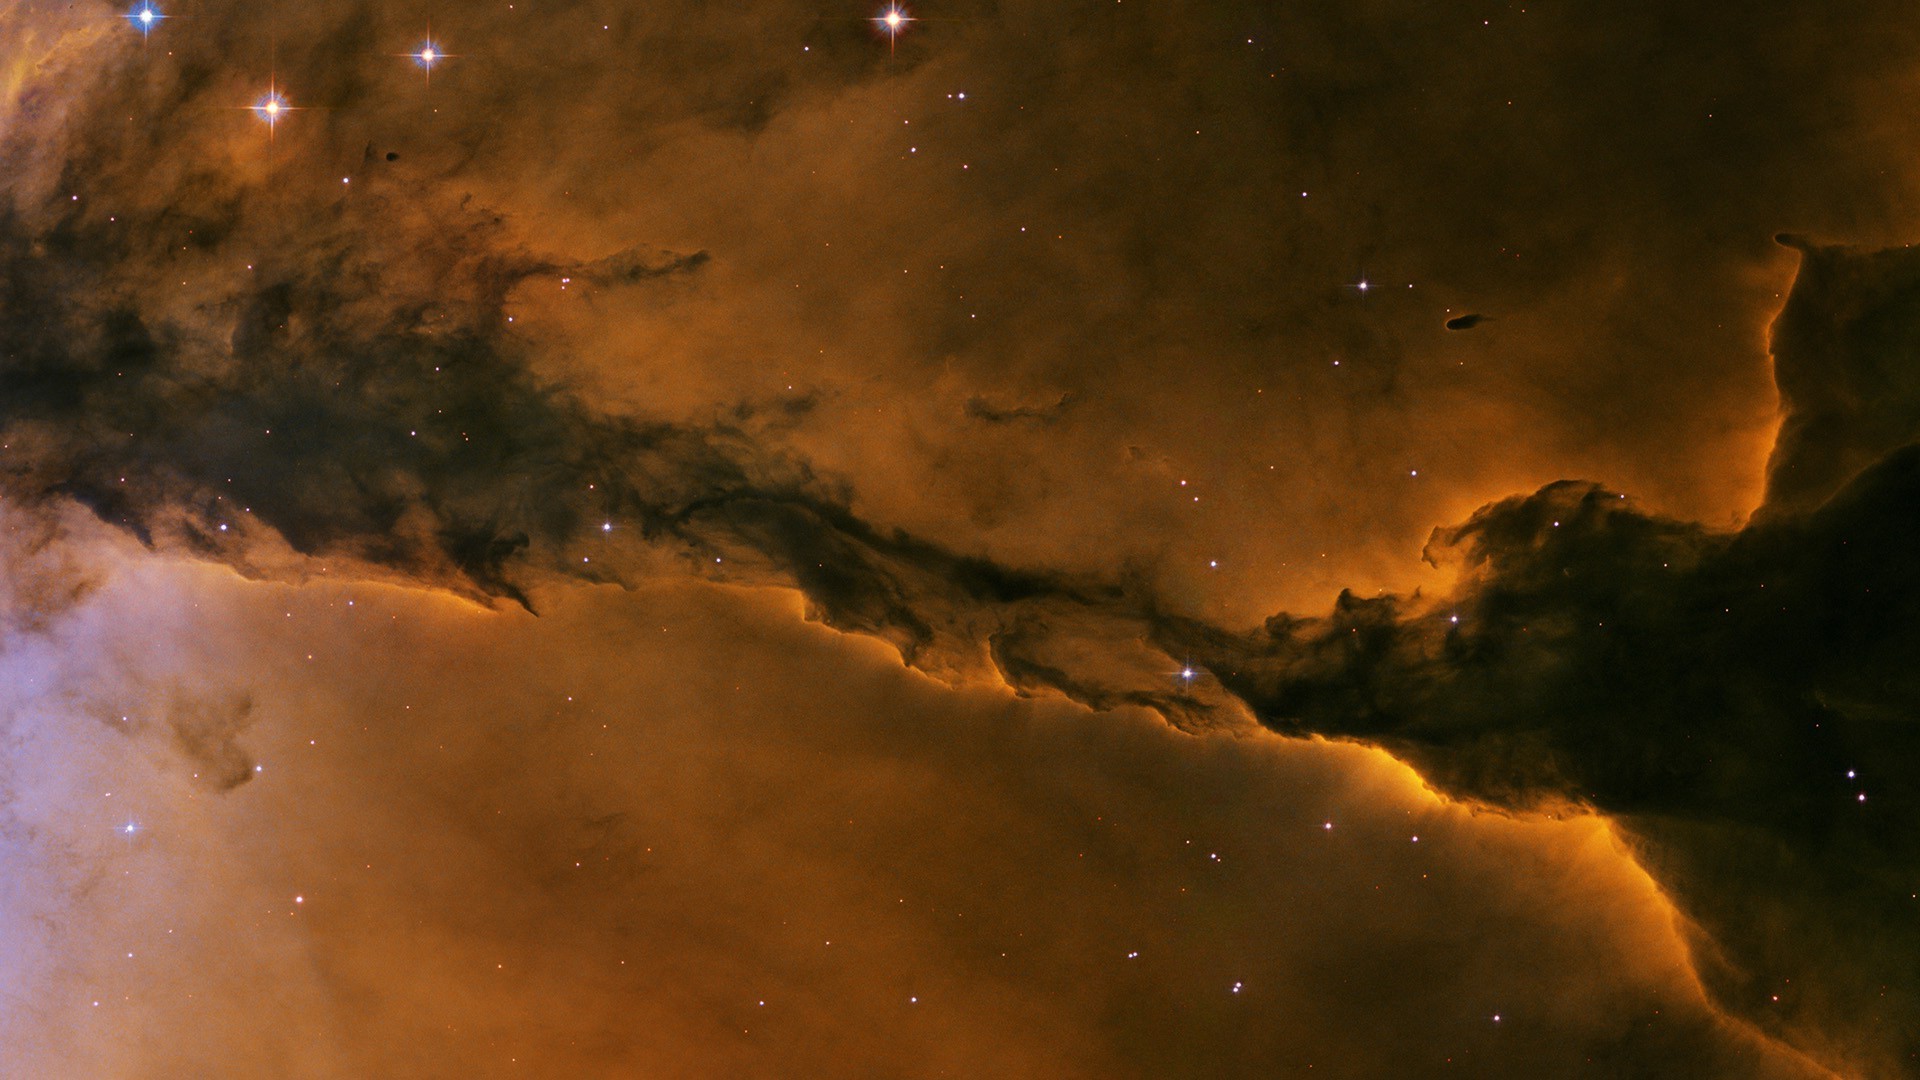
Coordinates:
(891, 22)
(272, 108)
(145, 17)
(428, 54)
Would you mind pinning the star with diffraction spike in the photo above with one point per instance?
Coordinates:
(891, 22)
(429, 53)
(272, 107)
(145, 17)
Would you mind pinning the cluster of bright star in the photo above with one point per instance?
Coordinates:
(146, 16)
(273, 107)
